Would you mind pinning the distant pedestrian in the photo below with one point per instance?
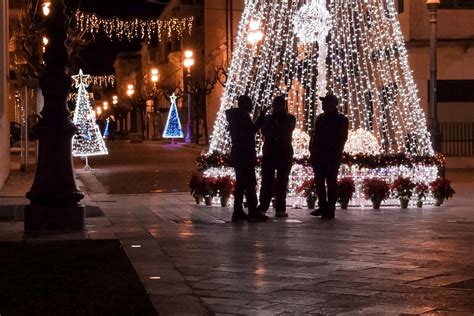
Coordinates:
(277, 156)
(112, 127)
(244, 158)
(327, 144)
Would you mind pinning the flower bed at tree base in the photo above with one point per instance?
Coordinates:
(420, 169)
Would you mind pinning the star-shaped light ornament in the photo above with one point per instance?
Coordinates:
(81, 79)
(173, 98)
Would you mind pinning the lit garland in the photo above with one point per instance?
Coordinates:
(359, 167)
(173, 125)
(103, 81)
(73, 95)
(367, 69)
(87, 140)
(362, 161)
(123, 29)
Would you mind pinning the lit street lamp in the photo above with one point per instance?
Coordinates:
(130, 90)
(433, 123)
(154, 75)
(151, 105)
(114, 100)
(46, 8)
(188, 63)
(45, 43)
(105, 105)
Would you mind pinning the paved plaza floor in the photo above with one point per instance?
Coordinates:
(192, 260)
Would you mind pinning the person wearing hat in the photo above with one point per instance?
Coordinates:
(328, 138)
(244, 158)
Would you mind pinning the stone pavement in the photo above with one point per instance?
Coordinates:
(193, 261)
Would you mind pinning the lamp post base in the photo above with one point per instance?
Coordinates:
(54, 219)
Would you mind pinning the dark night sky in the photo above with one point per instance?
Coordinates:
(100, 55)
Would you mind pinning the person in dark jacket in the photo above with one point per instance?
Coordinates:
(244, 158)
(277, 156)
(327, 144)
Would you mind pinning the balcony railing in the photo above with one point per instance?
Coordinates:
(457, 139)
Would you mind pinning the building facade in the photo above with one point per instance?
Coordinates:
(4, 120)
(213, 35)
(455, 87)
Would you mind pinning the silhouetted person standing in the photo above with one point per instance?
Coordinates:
(244, 158)
(327, 144)
(112, 128)
(277, 156)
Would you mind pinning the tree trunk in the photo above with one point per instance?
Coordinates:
(206, 131)
(196, 124)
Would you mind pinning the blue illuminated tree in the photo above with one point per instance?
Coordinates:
(173, 125)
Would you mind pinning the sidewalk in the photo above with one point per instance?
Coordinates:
(192, 260)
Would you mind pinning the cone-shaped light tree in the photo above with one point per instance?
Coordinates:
(88, 140)
(302, 49)
(173, 125)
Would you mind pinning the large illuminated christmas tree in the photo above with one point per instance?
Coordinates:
(87, 140)
(302, 49)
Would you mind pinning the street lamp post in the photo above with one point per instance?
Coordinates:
(188, 63)
(152, 114)
(54, 196)
(433, 106)
(130, 90)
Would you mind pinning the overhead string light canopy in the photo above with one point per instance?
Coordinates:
(129, 29)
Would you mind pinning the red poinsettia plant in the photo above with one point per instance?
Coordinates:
(376, 189)
(224, 187)
(441, 189)
(196, 184)
(345, 189)
(308, 189)
(421, 190)
(403, 188)
(210, 184)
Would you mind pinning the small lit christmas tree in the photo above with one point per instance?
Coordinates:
(88, 140)
(107, 128)
(173, 125)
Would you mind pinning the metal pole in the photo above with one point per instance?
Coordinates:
(188, 125)
(433, 106)
(23, 140)
(25, 129)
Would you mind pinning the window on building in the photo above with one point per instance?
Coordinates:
(400, 6)
(457, 4)
(455, 91)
